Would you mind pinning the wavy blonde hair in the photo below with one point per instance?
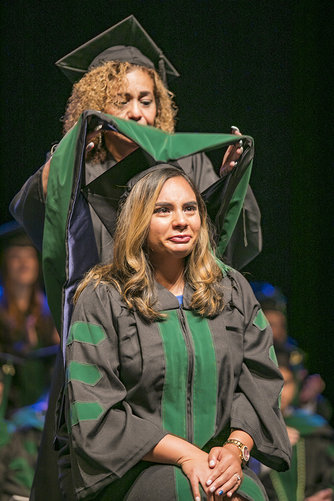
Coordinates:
(131, 271)
(106, 85)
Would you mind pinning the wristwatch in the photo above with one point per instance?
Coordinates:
(243, 449)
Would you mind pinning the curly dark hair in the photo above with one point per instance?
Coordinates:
(103, 86)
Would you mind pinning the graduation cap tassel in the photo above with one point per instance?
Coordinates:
(162, 69)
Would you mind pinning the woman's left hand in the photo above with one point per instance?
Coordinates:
(232, 155)
(226, 472)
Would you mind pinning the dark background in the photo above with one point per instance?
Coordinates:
(260, 65)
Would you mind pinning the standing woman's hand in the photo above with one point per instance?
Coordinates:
(232, 154)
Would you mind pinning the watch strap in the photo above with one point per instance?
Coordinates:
(244, 457)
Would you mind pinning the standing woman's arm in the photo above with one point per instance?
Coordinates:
(28, 207)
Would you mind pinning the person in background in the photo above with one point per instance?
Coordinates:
(27, 331)
(310, 386)
(311, 476)
(19, 450)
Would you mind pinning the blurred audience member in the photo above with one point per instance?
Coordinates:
(27, 332)
(311, 476)
(19, 443)
(310, 387)
(274, 303)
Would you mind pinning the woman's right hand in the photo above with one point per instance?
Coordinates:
(197, 471)
(195, 467)
(192, 460)
(226, 472)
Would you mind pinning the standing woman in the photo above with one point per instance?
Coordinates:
(123, 80)
(171, 373)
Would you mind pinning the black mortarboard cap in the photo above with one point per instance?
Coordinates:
(125, 41)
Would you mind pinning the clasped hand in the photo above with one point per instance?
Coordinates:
(218, 472)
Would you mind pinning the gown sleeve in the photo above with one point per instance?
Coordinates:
(256, 403)
(28, 208)
(106, 437)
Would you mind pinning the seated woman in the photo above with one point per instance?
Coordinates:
(171, 374)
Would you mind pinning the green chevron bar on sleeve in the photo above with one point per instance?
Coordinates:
(85, 373)
(83, 332)
(85, 411)
(260, 320)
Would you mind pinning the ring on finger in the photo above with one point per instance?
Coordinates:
(238, 477)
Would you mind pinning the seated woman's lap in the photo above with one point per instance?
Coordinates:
(158, 482)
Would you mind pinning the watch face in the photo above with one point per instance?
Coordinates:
(246, 454)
